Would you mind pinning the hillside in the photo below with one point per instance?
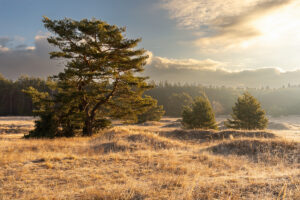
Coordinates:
(152, 161)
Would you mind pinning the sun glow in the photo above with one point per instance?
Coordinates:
(281, 26)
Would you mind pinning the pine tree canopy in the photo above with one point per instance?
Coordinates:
(247, 114)
(199, 115)
(99, 81)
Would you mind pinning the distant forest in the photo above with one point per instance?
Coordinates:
(276, 101)
(13, 102)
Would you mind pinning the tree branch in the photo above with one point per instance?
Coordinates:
(105, 99)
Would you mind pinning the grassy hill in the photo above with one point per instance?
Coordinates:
(152, 161)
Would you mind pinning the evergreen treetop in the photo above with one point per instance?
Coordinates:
(199, 115)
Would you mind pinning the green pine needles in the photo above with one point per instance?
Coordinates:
(99, 81)
(247, 114)
(154, 113)
(199, 115)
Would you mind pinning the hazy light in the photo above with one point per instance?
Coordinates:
(281, 26)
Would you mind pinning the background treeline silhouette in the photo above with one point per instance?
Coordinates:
(13, 102)
(276, 101)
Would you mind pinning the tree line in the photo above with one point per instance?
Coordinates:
(275, 101)
(13, 101)
(172, 97)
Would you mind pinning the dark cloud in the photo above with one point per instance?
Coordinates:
(4, 40)
(24, 60)
(21, 46)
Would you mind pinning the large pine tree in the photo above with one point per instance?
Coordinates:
(247, 114)
(100, 80)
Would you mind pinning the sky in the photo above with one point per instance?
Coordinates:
(214, 42)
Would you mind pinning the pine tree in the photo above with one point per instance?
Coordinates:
(100, 80)
(199, 115)
(247, 114)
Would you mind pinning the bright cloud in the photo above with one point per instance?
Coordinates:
(229, 24)
(3, 49)
(208, 64)
(184, 71)
(197, 13)
(212, 72)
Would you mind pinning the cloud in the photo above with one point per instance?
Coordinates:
(4, 40)
(35, 61)
(225, 24)
(27, 60)
(3, 49)
(196, 14)
(197, 72)
(191, 64)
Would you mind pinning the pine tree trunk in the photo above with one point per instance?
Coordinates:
(87, 129)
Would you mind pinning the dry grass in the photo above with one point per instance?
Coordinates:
(16, 124)
(151, 162)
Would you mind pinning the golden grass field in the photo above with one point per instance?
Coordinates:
(151, 161)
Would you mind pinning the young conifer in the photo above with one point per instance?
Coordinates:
(199, 115)
(247, 114)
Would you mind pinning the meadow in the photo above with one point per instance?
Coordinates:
(155, 160)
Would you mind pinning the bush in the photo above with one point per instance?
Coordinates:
(199, 115)
(46, 127)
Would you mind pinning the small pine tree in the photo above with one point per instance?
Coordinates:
(247, 114)
(199, 115)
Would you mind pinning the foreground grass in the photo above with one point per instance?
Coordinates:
(151, 163)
